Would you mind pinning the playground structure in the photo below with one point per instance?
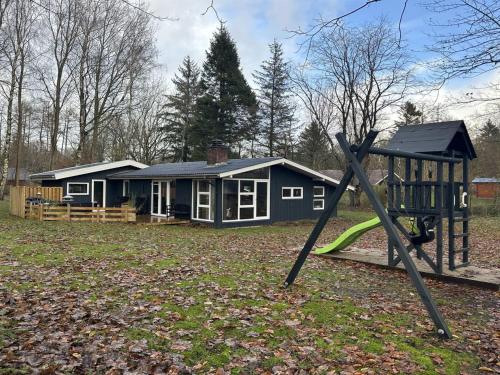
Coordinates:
(429, 193)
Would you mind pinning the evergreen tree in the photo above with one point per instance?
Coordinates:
(409, 114)
(224, 110)
(275, 107)
(489, 131)
(487, 145)
(313, 150)
(180, 110)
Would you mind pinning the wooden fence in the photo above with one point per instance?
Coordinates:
(89, 214)
(19, 194)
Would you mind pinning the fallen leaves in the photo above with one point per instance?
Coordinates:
(121, 298)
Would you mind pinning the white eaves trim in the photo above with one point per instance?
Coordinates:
(291, 165)
(85, 169)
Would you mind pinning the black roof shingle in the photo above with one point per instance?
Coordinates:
(436, 137)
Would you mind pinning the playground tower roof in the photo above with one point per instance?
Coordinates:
(434, 138)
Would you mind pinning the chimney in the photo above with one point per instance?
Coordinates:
(217, 153)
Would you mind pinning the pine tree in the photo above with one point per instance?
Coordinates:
(409, 114)
(180, 110)
(275, 107)
(489, 131)
(313, 150)
(224, 111)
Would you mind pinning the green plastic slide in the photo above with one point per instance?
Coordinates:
(350, 236)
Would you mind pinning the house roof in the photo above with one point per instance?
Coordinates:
(23, 174)
(485, 180)
(200, 169)
(436, 137)
(85, 169)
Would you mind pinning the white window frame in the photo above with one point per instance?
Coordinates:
(254, 193)
(292, 188)
(68, 184)
(123, 187)
(194, 209)
(322, 195)
(103, 191)
(322, 204)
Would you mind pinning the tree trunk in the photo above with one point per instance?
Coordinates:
(19, 117)
(4, 160)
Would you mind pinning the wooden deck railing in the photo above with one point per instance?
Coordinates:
(19, 194)
(85, 214)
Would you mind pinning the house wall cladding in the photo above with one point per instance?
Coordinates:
(295, 209)
(487, 190)
(113, 187)
(281, 209)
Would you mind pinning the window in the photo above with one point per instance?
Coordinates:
(258, 174)
(319, 191)
(291, 193)
(245, 199)
(126, 188)
(78, 188)
(318, 204)
(203, 200)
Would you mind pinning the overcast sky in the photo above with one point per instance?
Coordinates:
(254, 24)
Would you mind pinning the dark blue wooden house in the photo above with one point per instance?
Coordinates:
(89, 184)
(220, 191)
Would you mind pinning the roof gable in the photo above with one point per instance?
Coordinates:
(437, 137)
(86, 169)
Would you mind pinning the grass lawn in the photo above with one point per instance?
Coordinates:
(112, 298)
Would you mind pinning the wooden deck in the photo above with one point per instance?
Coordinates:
(157, 220)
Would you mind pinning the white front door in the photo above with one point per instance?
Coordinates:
(99, 193)
(160, 197)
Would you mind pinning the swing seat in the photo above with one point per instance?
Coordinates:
(426, 231)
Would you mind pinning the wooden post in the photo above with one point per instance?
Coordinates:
(439, 226)
(68, 211)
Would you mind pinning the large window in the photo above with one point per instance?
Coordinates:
(203, 200)
(244, 199)
(78, 188)
(291, 193)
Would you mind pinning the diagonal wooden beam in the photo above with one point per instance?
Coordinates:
(327, 213)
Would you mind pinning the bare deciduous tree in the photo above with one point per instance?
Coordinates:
(62, 29)
(352, 77)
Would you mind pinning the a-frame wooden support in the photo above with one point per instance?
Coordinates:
(355, 168)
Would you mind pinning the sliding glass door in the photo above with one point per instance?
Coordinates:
(160, 197)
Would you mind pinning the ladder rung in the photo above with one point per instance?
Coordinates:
(461, 235)
(459, 219)
(463, 250)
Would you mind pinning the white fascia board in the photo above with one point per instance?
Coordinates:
(251, 168)
(286, 163)
(314, 173)
(97, 168)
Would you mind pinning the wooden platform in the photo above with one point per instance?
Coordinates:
(472, 275)
(157, 220)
